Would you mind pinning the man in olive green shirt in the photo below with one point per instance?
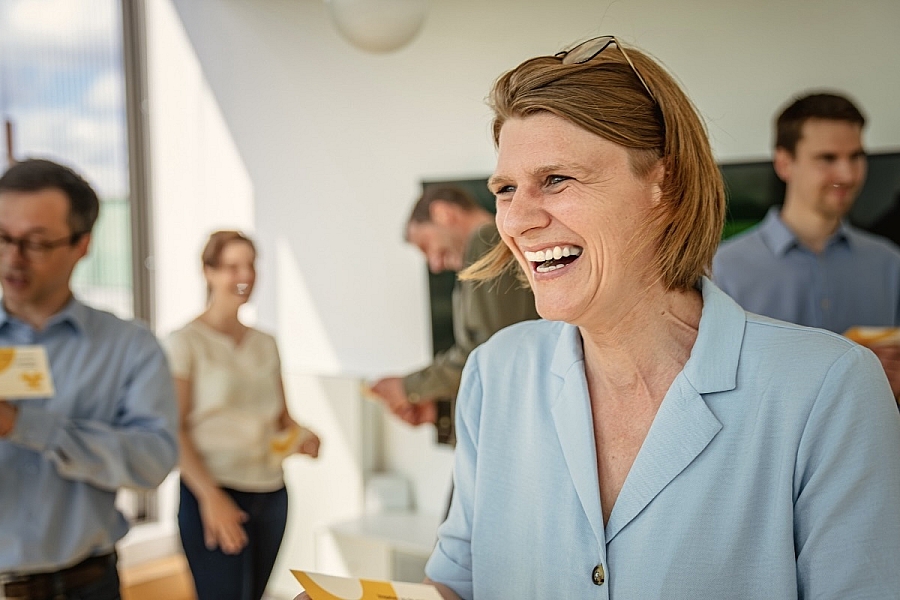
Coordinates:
(452, 231)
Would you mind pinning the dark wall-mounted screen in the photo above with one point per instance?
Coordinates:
(752, 187)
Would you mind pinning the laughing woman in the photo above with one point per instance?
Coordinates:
(235, 430)
(651, 439)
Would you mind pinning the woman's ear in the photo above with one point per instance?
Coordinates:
(657, 178)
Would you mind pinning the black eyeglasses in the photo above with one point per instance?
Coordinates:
(589, 49)
(33, 249)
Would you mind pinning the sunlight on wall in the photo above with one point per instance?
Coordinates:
(200, 182)
(331, 488)
(304, 342)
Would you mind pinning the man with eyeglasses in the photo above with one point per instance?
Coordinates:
(804, 263)
(111, 421)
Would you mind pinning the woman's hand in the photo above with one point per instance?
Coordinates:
(445, 592)
(309, 443)
(223, 523)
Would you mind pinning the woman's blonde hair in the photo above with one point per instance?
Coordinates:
(605, 97)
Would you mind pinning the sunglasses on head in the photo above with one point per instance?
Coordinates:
(587, 50)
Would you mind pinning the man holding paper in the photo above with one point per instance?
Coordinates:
(111, 419)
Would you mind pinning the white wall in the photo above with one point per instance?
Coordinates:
(265, 119)
(334, 141)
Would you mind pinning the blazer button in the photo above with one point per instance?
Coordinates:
(598, 576)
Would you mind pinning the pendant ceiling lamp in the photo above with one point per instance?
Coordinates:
(378, 25)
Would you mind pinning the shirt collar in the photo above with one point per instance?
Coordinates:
(74, 313)
(712, 366)
(780, 239)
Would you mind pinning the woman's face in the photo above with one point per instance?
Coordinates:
(233, 278)
(570, 208)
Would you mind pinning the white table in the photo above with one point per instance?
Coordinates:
(392, 545)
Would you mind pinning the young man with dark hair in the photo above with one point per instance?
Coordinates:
(804, 263)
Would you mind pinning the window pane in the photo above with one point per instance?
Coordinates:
(62, 92)
(62, 97)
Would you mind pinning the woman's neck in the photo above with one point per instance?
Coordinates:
(640, 354)
(224, 319)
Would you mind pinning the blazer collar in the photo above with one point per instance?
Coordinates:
(681, 430)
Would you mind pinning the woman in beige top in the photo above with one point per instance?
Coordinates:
(235, 431)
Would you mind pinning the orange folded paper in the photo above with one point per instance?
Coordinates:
(874, 336)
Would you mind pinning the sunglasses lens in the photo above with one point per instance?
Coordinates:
(586, 51)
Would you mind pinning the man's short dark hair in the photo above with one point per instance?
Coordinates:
(823, 105)
(421, 212)
(36, 174)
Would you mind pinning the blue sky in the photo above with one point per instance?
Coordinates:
(61, 84)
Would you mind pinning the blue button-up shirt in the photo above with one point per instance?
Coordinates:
(111, 424)
(855, 280)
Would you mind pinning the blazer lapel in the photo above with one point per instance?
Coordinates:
(572, 408)
(683, 427)
(571, 411)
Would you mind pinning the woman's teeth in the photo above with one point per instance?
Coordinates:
(554, 253)
(547, 259)
(241, 288)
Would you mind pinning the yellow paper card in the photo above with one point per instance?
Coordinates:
(25, 373)
(328, 587)
(285, 442)
(874, 336)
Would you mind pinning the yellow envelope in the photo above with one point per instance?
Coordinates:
(25, 373)
(328, 587)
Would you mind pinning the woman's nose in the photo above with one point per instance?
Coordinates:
(521, 213)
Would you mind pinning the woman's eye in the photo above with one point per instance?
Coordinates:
(554, 179)
(504, 189)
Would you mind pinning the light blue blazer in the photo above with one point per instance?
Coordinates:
(771, 471)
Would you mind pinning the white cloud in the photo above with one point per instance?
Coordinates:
(107, 92)
(62, 85)
(96, 142)
(59, 24)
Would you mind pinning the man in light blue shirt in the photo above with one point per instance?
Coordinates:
(804, 263)
(112, 420)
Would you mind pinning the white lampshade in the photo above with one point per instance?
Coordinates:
(378, 25)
